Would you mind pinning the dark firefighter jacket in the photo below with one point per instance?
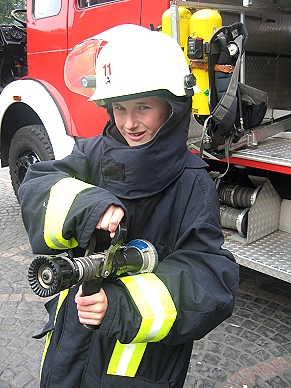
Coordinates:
(145, 339)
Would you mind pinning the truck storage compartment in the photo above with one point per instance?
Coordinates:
(266, 247)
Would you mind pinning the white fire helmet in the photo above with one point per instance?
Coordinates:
(125, 61)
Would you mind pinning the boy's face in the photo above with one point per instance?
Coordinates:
(139, 120)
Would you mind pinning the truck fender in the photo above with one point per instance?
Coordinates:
(49, 107)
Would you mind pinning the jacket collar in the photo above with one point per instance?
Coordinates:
(145, 170)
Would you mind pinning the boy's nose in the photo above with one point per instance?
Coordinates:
(131, 121)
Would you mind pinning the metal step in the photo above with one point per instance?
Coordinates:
(270, 254)
(266, 247)
(274, 150)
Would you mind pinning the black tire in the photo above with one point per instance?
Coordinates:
(29, 145)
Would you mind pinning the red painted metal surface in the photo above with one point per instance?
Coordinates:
(50, 39)
(261, 165)
(255, 164)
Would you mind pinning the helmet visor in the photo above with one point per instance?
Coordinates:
(79, 70)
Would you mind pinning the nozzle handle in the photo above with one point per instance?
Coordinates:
(89, 288)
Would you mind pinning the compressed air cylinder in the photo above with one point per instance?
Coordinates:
(202, 25)
(184, 18)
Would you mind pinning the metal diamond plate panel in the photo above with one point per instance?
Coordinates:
(273, 25)
(281, 4)
(273, 76)
(272, 150)
(270, 255)
(264, 215)
(267, 55)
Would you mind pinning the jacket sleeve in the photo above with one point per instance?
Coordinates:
(194, 287)
(202, 277)
(60, 207)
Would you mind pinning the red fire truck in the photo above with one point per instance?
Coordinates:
(40, 118)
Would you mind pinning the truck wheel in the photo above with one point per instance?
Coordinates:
(29, 145)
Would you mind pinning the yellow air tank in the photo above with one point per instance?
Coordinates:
(184, 18)
(202, 25)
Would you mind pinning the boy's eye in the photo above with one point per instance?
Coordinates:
(144, 107)
(118, 107)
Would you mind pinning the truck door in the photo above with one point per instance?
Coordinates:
(47, 47)
(87, 18)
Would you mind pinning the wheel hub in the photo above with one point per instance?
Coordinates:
(22, 165)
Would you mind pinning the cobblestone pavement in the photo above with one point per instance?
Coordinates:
(252, 349)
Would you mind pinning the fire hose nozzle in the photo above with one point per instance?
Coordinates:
(48, 275)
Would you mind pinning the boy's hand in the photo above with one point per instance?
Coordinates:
(111, 219)
(91, 309)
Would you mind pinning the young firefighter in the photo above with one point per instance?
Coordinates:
(138, 171)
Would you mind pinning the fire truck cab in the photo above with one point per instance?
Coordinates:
(40, 118)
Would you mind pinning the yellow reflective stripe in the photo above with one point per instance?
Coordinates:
(62, 297)
(62, 195)
(155, 305)
(158, 313)
(125, 359)
(147, 314)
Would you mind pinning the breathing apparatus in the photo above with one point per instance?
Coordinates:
(195, 32)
